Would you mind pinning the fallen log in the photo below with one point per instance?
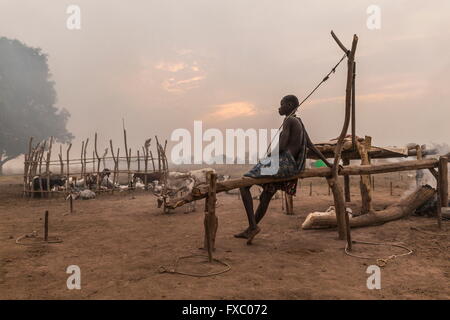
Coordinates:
(201, 191)
(403, 208)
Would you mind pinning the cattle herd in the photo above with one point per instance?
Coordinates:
(164, 185)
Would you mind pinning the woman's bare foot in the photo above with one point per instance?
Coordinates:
(251, 234)
(243, 235)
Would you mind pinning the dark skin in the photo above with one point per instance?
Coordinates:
(288, 142)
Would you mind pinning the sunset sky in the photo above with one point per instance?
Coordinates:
(161, 65)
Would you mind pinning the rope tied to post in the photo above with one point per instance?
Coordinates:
(381, 262)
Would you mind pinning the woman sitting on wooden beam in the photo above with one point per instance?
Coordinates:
(293, 144)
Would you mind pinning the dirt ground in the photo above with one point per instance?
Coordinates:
(119, 242)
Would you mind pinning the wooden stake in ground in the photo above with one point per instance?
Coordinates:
(26, 177)
(127, 154)
(68, 169)
(442, 188)
(85, 160)
(211, 220)
(289, 204)
(46, 226)
(116, 163)
(98, 163)
(71, 202)
(365, 181)
(81, 159)
(47, 166)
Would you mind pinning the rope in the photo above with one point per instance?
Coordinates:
(333, 70)
(430, 233)
(381, 262)
(163, 269)
(34, 235)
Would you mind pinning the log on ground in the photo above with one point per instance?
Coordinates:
(396, 211)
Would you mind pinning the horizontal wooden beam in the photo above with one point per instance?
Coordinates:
(201, 191)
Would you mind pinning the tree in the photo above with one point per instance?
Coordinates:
(27, 100)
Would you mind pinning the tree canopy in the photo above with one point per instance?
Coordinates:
(27, 100)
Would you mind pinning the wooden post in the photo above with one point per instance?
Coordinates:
(47, 166)
(289, 204)
(115, 163)
(71, 202)
(442, 188)
(81, 159)
(27, 163)
(127, 154)
(68, 168)
(145, 150)
(310, 189)
(41, 154)
(373, 183)
(211, 220)
(159, 154)
(104, 157)
(98, 163)
(25, 175)
(346, 162)
(85, 160)
(139, 161)
(61, 163)
(353, 114)
(46, 226)
(392, 192)
(339, 200)
(365, 181)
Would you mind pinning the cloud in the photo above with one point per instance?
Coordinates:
(180, 86)
(231, 110)
(170, 66)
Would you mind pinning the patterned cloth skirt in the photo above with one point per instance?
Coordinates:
(287, 167)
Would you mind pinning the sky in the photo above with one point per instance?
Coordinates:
(162, 64)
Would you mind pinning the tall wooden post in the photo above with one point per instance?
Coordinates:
(46, 226)
(211, 220)
(353, 109)
(442, 188)
(68, 167)
(47, 166)
(346, 162)
(289, 204)
(99, 178)
(339, 200)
